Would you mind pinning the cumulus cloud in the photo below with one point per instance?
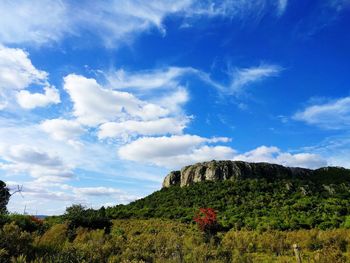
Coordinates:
(174, 151)
(170, 94)
(63, 130)
(17, 73)
(275, 155)
(177, 151)
(29, 100)
(331, 115)
(94, 104)
(121, 114)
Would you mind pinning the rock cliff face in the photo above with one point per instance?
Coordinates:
(231, 170)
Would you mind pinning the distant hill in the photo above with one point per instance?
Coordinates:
(250, 195)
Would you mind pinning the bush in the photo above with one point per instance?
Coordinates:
(207, 222)
(26, 222)
(55, 236)
(14, 241)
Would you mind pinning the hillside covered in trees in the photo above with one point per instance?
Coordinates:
(319, 200)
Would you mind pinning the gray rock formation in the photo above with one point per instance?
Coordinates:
(173, 178)
(230, 170)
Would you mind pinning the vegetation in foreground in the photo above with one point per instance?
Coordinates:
(251, 220)
(160, 240)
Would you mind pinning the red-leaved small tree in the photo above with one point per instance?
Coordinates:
(206, 220)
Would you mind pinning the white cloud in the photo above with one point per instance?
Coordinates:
(174, 100)
(114, 21)
(121, 20)
(39, 164)
(133, 128)
(35, 195)
(34, 160)
(148, 80)
(242, 77)
(275, 155)
(332, 115)
(16, 74)
(17, 71)
(29, 100)
(37, 21)
(170, 93)
(177, 151)
(94, 104)
(174, 151)
(335, 148)
(97, 191)
(63, 130)
(172, 77)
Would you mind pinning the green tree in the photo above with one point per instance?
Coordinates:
(4, 197)
(79, 216)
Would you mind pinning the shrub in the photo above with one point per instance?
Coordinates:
(15, 242)
(26, 222)
(206, 220)
(55, 237)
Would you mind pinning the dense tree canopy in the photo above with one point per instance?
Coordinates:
(295, 203)
(4, 197)
(79, 216)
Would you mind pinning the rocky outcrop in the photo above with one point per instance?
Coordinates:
(173, 178)
(231, 170)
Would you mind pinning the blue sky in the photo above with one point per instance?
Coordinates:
(99, 100)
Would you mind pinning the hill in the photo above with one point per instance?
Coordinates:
(250, 196)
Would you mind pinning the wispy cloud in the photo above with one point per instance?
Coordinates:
(161, 78)
(281, 6)
(114, 21)
(335, 148)
(239, 79)
(243, 77)
(164, 78)
(334, 114)
(33, 22)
